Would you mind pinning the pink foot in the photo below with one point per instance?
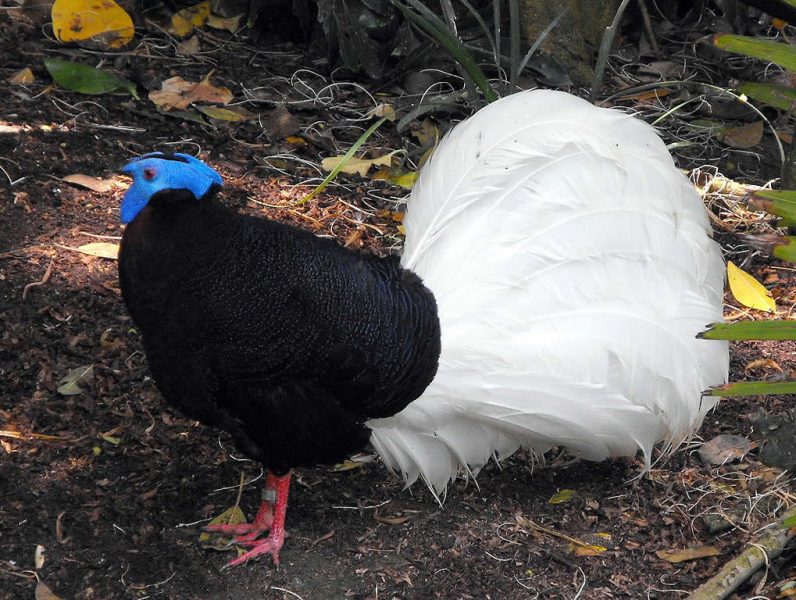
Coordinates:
(270, 545)
(270, 517)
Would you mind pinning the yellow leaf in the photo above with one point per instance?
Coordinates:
(359, 166)
(177, 94)
(426, 133)
(748, 291)
(588, 550)
(101, 249)
(184, 21)
(354, 462)
(232, 516)
(226, 114)
(100, 23)
(231, 24)
(561, 497)
(676, 556)
(22, 77)
(111, 439)
(398, 176)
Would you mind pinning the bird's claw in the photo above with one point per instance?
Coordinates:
(270, 545)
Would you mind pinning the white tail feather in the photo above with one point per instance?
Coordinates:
(572, 265)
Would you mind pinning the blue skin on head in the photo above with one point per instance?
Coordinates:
(153, 173)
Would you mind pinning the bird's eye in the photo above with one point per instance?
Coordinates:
(149, 173)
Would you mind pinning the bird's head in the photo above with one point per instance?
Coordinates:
(159, 172)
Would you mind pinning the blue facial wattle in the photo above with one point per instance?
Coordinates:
(157, 172)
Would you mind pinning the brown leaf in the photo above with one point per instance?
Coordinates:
(745, 136)
(189, 47)
(676, 556)
(281, 124)
(177, 94)
(44, 593)
(725, 448)
(390, 520)
(89, 182)
(22, 77)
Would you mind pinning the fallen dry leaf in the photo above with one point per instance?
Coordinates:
(745, 136)
(189, 47)
(98, 23)
(561, 497)
(360, 166)
(70, 384)
(22, 77)
(676, 556)
(38, 557)
(235, 113)
(231, 24)
(725, 448)
(184, 21)
(101, 249)
(92, 183)
(44, 593)
(748, 291)
(232, 516)
(178, 94)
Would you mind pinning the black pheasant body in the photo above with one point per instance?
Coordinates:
(286, 340)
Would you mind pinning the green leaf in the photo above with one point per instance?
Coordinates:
(789, 522)
(86, 80)
(778, 202)
(778, 96)
(777, 52)
(751, 330)
(786, 250)
(754, 388)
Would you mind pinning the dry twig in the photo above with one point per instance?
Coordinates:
(740, 568)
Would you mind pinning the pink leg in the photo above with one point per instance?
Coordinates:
(271, 516)
(262, 521)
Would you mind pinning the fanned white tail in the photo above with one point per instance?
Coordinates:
(572, 265)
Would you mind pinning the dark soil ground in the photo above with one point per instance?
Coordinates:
(116, 499)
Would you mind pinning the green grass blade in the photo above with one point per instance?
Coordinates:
(778, 96)
(768, 50)
(751, 330)
(514, 43)
(434, 27)
(346, 157)
(754, 388)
